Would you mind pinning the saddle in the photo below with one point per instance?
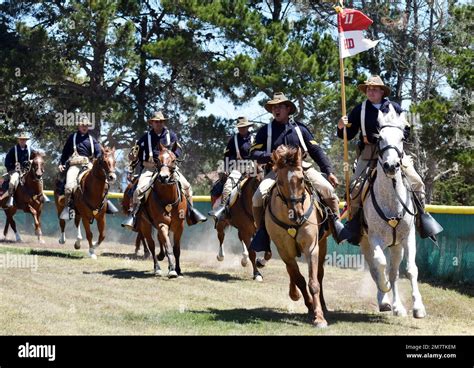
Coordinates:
(237, 191)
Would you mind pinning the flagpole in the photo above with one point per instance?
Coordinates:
(344, 113)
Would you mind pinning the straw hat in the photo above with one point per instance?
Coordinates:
(279, 98)
(22, 136)
(157, 116)
(374, 81)
(243, 122)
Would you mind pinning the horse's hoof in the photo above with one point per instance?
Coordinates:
(320, 324)
(220, 258)
(419, 313)
(172, 274)
(260, 262)
(244, 261)
(93, 256)
(95, 244)
(258, 278)
(41, 241)
(399, 311)
(158, 272)
(385, 307)
(61, 241)
(295, 296)
(180, 276)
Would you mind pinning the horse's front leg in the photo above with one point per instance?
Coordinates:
(419, 310)
(164, 239)
(101, 220)
(36, 219)
(77, 223)
(396, 256)
(221, 225)
(87, 228)
(177, 247)
(322, 245)
(9, 214)
(312, 256)
(377, 262)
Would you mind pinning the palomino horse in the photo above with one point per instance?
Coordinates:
(390, 215)
(165, 209)
(90, 200)
(127, 199)
(292, 220)
(241, 217)
(28, 197)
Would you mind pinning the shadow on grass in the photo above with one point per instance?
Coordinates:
(124, 255)
(125, 273)
(253, 315)
(335, 317)
(222, 277)
(44, 253)
(461, 288)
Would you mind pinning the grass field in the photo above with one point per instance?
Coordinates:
(118, 294)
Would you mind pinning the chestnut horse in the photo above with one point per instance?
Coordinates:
(28, 197)
(241, 217)
(90, 199)
(126, 201)
(292, 220)
(165, 209)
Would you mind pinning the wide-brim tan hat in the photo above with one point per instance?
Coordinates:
(22, 136)
(243, 122)
(279, 98)
(374, 81)
(157, 116)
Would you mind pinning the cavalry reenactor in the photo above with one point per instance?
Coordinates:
(144, 154)
(363, 119)
(77, 155)
(17, 157)
(237, 161)
(283, 129)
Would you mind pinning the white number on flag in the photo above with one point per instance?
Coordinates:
(349, 18)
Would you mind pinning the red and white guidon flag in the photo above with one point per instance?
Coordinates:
(351, 23)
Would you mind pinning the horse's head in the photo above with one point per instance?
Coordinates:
(166, 164)
(287, 164)
(107, 163)
(37, 165)
(390, 141)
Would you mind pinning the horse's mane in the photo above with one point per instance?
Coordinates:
(285, 156)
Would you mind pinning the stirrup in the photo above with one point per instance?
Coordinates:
(129, 222)
(219, 213)
(194, 216)
(352, 229)
(10, 201)
(111, 209)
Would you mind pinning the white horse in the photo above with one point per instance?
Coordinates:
(389, 212)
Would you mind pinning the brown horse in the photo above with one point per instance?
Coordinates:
(90, 199)
(165, 209)
(28, 197)
(126, 201)
(292, 219)
(241, 217)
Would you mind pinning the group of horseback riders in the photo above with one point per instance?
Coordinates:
(283, 129)
(81, 148)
